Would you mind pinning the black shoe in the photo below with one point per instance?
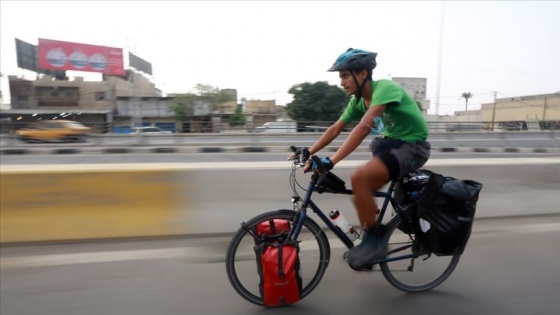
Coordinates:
(372, 248)
(366, 267)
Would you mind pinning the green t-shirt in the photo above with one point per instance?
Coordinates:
(402, 117)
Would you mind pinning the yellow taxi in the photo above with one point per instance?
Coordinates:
(53, 130)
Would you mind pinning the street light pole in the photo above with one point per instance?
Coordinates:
(440, 55)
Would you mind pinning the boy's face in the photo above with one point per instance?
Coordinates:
(348, 83)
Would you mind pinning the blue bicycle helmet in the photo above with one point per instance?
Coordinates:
(355, 59)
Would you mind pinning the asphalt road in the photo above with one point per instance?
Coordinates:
(510, 267)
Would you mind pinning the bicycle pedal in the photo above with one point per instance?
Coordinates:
(365, 268)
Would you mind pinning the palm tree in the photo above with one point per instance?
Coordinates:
(466, 96)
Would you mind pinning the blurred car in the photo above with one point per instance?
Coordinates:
(53, 131)
(149, 130)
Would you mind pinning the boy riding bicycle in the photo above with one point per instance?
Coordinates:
(401, 150)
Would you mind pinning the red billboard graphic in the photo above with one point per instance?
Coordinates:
(58, 55)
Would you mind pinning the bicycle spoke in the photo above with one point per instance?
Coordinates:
(241, 264)
(423, 272)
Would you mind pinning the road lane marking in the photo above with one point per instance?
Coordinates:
(96, 257)
(210, 166)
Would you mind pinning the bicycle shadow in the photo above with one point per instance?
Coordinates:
(386, 302)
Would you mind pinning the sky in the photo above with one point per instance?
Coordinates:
(263, 48)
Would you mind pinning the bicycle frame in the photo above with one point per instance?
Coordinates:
(307, 202)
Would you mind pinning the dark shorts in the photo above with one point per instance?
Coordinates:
(399, 156)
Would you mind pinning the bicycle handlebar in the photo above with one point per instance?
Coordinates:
(323, 179)
(302, 155)
(305, 155)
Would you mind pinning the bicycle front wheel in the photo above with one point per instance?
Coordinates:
(241, 265)
(420, 273)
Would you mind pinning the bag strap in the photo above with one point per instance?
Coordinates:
(272, 226)
(280, 260)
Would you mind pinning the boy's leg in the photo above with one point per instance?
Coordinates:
(365, 179)
(371, 177)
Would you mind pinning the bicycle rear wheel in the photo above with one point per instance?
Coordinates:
(421, 273)
(241, 266)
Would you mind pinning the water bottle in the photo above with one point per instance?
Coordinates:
(339, 220)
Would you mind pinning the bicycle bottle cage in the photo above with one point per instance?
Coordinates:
(328, 182)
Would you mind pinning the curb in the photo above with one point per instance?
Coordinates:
(244, 149)
(223, 236)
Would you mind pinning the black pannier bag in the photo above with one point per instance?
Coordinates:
(406, 192)
(445, 213)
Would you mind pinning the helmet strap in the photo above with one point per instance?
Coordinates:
(358, 94)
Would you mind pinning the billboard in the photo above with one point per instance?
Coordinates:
(139, 64)
(26, 55)
(59, 55)
(27, 59)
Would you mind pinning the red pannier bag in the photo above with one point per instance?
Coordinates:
(272, 228)
(278, 264)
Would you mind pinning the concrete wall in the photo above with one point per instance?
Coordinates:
(77, 202)
(86, 204)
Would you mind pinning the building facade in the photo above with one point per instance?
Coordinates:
(117, 103)
(532, 112)
(417, 88)
(93, 103)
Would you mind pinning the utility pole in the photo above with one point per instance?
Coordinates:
(111, 101)
(544, 115)
(494, 110)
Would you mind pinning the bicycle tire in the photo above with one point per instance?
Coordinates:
(433, 269)
(241, 265)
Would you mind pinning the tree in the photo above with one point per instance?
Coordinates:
(212, 93)
(183, 105)
(466, 96)
(237, 119)
(316, 102)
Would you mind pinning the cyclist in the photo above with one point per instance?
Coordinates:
(402, 148)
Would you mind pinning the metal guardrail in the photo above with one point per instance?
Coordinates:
(549, 139)
(7, 126)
